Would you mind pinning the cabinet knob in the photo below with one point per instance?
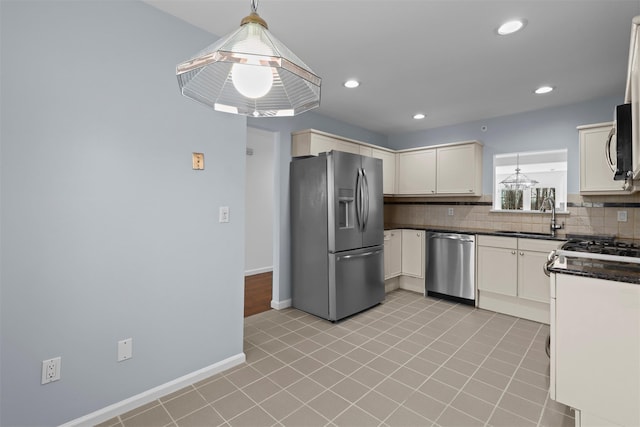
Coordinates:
(521, 253)
(470, 191)
(513, 252)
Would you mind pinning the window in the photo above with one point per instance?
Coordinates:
(521, 181)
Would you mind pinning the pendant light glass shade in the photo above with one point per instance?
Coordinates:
(250, 72)
(518, 181)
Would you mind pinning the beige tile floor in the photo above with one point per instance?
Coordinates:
(411, 361)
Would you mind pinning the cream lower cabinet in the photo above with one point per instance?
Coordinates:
(595, 349)
(596, 177)
(510, 276)
(404, 261)
(413, 253)
(413, 261)
(497, 265)
(392, 253)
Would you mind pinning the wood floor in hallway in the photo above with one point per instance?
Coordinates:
(257, 293)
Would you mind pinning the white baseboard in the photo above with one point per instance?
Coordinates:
(145, 397)
(258, 271)
(279, 305)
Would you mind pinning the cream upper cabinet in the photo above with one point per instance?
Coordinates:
(392, 253)
(510, 276)
(413, 253)
(417, 172)
(442, 170)
(452, 169)
(365, 150)
(596, 176)
(310, 142)
(459, 169)
(388, 169)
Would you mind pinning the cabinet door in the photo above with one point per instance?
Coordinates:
(595, 175)
(388, 170)
(456, 170)
(417, 172)
(322, 143)
(311, 143)
(597, 347)
(533, 284)
(413, 253)
(498, 270)
(364, 150)
(392, 253)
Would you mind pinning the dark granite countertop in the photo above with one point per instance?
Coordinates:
(607, 270)
(597, 269)
(521, 234)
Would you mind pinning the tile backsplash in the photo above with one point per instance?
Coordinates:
(587, 215)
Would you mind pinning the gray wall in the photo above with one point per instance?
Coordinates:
(106, 232)
(550, 128)
(284, 126)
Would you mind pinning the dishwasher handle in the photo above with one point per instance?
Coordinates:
(450, 237)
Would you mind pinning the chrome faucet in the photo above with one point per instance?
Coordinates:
(552, 205)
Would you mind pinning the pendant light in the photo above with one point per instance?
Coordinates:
(518, 181)
(250, 72)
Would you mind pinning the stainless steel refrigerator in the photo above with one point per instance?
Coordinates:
(337, 234)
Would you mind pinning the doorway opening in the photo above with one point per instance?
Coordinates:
(259, 220)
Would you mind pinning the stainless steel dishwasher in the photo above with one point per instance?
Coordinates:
(450, 266)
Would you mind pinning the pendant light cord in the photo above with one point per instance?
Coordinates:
(254, 6)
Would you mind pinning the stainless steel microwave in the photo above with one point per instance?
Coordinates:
(620, 139)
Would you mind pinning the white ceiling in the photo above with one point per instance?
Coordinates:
(442, 58)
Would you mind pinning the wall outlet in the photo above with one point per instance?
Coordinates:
(125, 349)
(224, 214)
(51, 370)
(622, 216)
(450, 212)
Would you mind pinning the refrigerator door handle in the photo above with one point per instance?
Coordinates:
(359, 199)
(366, 199)
(358, 256)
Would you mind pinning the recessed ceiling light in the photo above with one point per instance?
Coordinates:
(419, 116)
(351, 84)
(511, 27)
(543, 89)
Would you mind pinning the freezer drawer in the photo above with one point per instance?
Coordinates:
(356, 281)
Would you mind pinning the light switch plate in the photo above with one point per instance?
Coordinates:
(622, 216)
(224, 214)
(125, 349)
(198, 161)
